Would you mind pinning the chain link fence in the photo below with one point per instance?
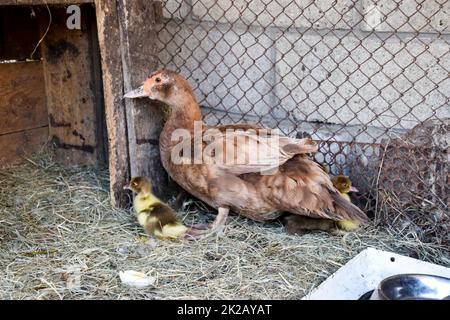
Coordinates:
(360, 77)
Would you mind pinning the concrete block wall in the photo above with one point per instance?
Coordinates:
(359, 66)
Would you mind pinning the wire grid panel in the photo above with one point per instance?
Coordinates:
(348, 73)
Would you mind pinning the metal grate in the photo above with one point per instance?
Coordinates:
(349, 73)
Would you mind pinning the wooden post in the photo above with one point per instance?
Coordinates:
(127, 40)
(144, 119)
(111, 60)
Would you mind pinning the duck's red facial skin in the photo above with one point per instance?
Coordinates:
(170, 88)
(160, 86)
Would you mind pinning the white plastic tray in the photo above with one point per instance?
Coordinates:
(365, 271)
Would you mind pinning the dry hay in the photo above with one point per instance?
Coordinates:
(57, 227)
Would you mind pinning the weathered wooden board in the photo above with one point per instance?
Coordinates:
(96, 69)
(111, 54)
(23, 110)
(22, 99)
(72, 89)
(144, 120)
(18, 33)
(41, 2)
(15, 145)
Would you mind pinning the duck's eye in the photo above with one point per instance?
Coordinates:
(158, 79)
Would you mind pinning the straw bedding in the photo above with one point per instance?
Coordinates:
(60, 239)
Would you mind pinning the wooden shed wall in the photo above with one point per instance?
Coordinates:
(23, 110)
(76, 110)
(23, 103)
(56, 97)
(74, 88)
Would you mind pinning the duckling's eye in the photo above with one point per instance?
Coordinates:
(158, 79)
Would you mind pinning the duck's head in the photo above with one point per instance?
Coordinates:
(343, 184)
(166, 86)
(139, 185)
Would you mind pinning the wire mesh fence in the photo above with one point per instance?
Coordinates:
(358, 76)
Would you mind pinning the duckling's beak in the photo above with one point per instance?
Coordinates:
(353, 189)
(127, 187)
(136, 93)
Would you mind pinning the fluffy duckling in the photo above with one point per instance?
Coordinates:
(344, 185)
(324, 167)
(296, 224)
(156, 217)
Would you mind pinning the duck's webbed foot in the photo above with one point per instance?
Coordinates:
(203, 230)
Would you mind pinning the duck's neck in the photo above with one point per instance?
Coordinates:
(183, 116)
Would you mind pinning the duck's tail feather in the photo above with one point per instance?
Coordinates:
(346, 210)
(300, 146)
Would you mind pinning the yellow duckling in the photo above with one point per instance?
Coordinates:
(344, 185)
(156, 217)
(324, 167)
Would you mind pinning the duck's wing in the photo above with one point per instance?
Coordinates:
(246, 148)
(302, 187)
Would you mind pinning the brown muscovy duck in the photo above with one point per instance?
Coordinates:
(281, 180)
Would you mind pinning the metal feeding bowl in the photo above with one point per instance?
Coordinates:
(413, 287)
